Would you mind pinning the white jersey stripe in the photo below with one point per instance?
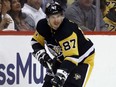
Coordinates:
(83, 56)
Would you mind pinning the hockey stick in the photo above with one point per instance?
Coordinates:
(54, 56)
(50, 68)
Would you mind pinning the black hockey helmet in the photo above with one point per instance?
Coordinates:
(53, 8)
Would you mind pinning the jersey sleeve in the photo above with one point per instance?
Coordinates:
(38, 38)
(37, 41)
(69, 47)
(75, 48)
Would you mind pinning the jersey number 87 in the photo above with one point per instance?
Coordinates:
(69, 44)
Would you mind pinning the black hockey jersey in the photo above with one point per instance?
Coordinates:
(68, 41)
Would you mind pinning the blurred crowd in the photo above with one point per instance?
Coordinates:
(23, 15)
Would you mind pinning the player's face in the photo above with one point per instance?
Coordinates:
(55, 20)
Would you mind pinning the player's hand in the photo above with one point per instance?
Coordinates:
(60, 78)
(43, 57)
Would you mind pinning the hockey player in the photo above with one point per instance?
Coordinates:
(74, 57)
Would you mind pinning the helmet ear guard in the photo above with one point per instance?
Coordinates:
(53, 8)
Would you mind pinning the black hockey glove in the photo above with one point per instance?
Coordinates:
(50, 73)
(43, 57)
(60, 78)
